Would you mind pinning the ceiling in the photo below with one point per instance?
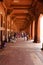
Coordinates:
(23, 11)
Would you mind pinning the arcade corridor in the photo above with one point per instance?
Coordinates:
(21, 32)
(21, 53)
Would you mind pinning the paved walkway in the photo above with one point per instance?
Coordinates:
(21, 53)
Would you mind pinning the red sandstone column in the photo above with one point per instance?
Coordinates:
(32, 29)
(37, 31)
(6, 25)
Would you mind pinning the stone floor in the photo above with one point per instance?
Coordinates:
(21, 53)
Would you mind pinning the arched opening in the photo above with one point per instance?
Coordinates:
(41, 27)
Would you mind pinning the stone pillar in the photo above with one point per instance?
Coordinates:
(37, 31)
(6, 24)
(32, 29)
(8, 27)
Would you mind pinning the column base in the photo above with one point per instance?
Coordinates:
(41, 48)
(36, 41)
